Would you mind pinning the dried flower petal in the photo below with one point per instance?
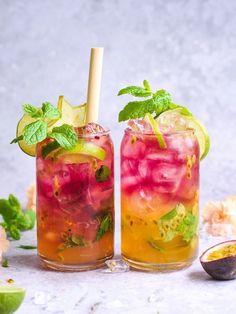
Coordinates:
(31, 195)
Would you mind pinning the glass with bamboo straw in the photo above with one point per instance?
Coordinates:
(75, 191)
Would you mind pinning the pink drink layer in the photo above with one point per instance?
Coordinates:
(72, 203)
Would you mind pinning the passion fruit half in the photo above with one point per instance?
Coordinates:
(219, 261)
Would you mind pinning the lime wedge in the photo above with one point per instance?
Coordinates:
(11, 298)
(191, 123)
(28, 149)
(70, 115)
(154, 124)
(79, 153)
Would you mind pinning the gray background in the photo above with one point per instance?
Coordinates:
(186, 47)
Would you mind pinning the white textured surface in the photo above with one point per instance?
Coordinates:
(183, 292)
(187, 47)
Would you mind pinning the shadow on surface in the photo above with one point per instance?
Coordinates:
(28, 261)
(200, 276)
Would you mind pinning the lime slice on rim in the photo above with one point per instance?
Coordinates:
(81, 152)
(191, 123)
(154, 124)
(11, 298)
(69, 115)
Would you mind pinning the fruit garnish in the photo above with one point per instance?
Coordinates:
(11, 298)
(38, 124)
(219, 261)
(69, 114)
(156, 130)
(81, 148)
(171, 116)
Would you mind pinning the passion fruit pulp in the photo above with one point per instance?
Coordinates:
(219, 261)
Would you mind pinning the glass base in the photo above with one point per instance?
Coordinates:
(55, 265)
(156, 267)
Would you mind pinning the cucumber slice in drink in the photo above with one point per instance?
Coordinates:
(11, 298)
(80, 152)
(191, 123)
(154, 124)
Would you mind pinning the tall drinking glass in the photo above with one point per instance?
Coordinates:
(159, 200)
(75, 203)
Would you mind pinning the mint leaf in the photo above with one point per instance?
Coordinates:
(105, 225)
(14, 232)
(27, 247)
(14, 202)
(49, 111)
(136, 109)
(65, 136)
(32, 217)
(35, 132)
(188, 227)
(154, 244)
(32, 111)
(170, 215)
(146, 85)
(102, 174)
(135, 91)
(17, 139)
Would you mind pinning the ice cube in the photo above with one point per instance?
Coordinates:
(140, 125)
(90, 128)
(41, 297)
(167, 177)
(116, 266)
(156, 296)
(173, 121)
(133, 147)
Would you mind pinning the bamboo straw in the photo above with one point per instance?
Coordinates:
(94, 85)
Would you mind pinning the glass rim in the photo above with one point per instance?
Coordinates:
(91, 135)
(171, 133)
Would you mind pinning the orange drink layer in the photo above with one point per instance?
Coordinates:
(75, 203)
(159, 200)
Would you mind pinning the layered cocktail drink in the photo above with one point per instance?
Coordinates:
(160, 154)
(159, 199)
(75, 201)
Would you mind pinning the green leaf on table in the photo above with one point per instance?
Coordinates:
(33, 111)
(65, 136)
(27, 247)
(14, 202)
(5, 263)
(32, 217)
(51, 112)
(106, 224)
(14, 232)
(35, 132)
(102, 174)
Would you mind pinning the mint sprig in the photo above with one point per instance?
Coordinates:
(158, 102)
(15, 219)
(38, 130)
